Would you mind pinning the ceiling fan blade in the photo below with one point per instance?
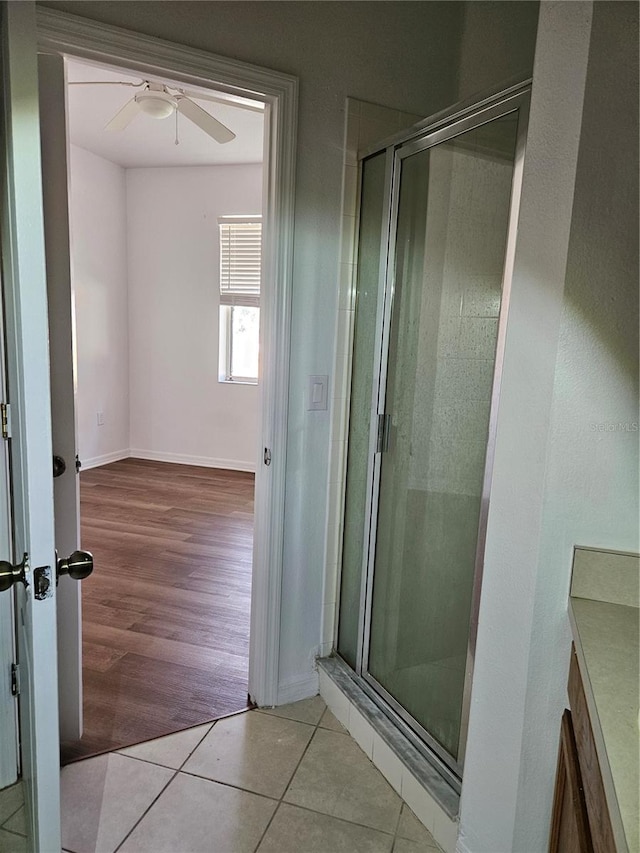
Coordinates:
(124, 116)
(206, 122)
(105, 83)
(231, 101)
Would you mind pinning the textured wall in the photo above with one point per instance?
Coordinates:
(408, 56)
(402, 55)
(591, 491)
(522, 652)
(497, 46)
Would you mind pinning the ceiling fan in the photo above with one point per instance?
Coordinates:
(160, 101)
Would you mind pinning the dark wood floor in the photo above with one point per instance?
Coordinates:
(166, 610)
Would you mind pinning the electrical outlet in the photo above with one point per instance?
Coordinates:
(100, 418)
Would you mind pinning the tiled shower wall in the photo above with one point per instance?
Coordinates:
(365, 124)
(450, 425)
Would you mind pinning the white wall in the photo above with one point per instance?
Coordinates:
(591, 494)
(400, 55)
(99, 269)
(570, 365)
(179, 410)
(407, 55)
(497, 45)
(508, 627)
(146, 258)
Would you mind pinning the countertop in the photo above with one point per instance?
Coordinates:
(606, 640)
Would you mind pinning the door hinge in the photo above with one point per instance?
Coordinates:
(267, 456)
(5, 419)
(15, 679)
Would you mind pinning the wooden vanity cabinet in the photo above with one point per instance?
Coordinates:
(580, 822)
(570, 824)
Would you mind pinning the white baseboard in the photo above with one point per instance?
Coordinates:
(96, 461)
(185, 459)
(179, 458)
(298, 688)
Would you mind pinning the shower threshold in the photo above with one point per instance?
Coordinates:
(405, 767)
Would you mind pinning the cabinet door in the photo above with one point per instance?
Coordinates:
(600, 826)
(569, 823)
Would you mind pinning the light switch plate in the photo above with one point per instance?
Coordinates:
(317, 393)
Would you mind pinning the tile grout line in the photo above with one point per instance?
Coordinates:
(294, 805)
(309, 742)
(156, 763)
(164, 788)
(146, 811)
(266, 829)
(343, 820)
(227, 785)
(205, 735)
(403, 803)
(284, 793)
(12, 832)
(316, 726)
(395, 832)
(392, 835)
(193, 775)
(8, 818)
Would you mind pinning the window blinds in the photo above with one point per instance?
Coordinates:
(240, 252)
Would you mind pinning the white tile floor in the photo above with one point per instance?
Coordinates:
(289, 780)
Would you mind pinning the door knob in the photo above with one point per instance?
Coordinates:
(59, 466)
(78, 566)
(10, 574)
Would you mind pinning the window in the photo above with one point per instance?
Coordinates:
(240, 250)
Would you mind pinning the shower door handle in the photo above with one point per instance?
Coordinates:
(384, 430)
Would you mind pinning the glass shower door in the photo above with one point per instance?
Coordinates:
(355, 527)
(446, 271)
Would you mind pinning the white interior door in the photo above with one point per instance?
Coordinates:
(8, 702)
(26, 330)
(54, 148)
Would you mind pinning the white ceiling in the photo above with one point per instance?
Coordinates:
(151, 142)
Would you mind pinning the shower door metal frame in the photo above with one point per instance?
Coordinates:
(442, 127)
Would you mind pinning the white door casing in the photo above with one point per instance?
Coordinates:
(67, 35)
(8, 702)
(66, 492)
(25, 300)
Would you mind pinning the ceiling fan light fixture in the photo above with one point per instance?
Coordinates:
(156, 104)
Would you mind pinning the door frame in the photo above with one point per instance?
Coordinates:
(9, 739)
(432, 131)
(81, 38)
(27, 377)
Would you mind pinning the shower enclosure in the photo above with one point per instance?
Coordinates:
(437, 223)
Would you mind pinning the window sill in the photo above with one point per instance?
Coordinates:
(253, 382)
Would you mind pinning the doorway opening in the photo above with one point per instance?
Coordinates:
(438, 208)
(169, 648)
(166, 308)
